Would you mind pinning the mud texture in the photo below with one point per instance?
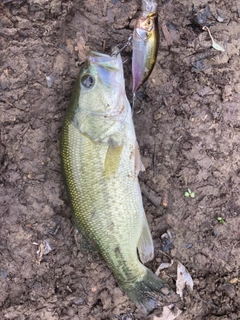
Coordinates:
(187, 119)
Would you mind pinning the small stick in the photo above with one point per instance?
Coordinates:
(150, 196)
(166, 34)
(154, 160)
(165, 199)
(104, 46)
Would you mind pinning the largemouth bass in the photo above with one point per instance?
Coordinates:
(145, 43)
(101, 162)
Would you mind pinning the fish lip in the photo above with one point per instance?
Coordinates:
(102, 59)
(97, 54)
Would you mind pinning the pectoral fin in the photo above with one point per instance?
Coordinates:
(112, 159)
(145, 243)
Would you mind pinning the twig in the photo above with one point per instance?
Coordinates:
(150, 196)
(166, 34)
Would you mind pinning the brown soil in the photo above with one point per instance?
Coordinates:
(187, 122)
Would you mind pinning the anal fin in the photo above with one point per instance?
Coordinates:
(145, 243)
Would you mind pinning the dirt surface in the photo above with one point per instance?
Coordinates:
(187, 121)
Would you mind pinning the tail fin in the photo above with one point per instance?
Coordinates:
(150, 292)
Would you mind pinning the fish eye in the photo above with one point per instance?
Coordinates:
(149, 22)
(87, 81)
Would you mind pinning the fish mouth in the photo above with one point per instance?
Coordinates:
(98, 54)
(109, 68)
(106, 61)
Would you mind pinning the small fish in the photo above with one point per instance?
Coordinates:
(145, 43)
(101, 161)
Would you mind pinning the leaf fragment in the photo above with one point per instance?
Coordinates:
(183, 279)
(162, 266)
(43, 249)
(234, 281)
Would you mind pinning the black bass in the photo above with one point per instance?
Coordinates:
(145, 43)
(101, 162)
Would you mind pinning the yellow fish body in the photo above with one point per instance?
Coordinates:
(101, 161)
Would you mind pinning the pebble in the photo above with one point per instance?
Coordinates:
(237, 87)
(49, 81)
(229, 290)
(71, 311)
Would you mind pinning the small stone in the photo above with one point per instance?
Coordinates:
(71, 312)
(237, 87)
(228, 90)
(55, 7)
(157, 115)
(49, 81)
(229, 290)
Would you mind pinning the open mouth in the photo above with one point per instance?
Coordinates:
(108, 62)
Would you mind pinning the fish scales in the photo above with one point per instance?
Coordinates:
(104, 208)
(101, 161)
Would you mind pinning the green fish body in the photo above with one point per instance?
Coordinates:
(101, 162)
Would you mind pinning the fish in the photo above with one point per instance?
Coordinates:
(145, 43)
(101, 161)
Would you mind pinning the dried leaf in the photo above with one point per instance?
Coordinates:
(219, 19)
(170, 312)
(234, 281)
(162, 266)
(44, 248)
(167, 35)
(183, 279)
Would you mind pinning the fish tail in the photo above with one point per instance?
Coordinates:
(150, 292)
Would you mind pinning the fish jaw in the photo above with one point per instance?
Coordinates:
(145, 46)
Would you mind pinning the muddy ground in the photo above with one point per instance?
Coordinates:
(187, 122)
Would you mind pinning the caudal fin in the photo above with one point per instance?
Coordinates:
(150, 293)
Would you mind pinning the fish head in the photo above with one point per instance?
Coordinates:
(101, 83)
(145, 47)
(145, 26)
(102, 104)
